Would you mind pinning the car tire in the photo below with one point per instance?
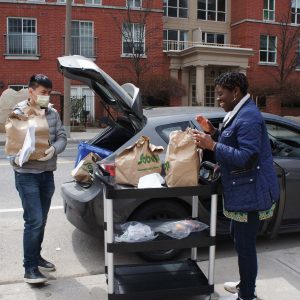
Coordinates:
(160, 210)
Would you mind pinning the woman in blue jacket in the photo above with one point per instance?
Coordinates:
(250, 186)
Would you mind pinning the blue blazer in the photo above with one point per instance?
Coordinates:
(244, 154)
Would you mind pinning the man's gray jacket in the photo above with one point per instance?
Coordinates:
(58, 139)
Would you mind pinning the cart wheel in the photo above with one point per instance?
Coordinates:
(160, 210)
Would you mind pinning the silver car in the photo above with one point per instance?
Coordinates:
(83, 205)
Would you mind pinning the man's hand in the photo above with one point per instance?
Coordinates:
(49, 154)
(206, 125)
(203, 140)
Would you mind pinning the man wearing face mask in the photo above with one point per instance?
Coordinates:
(34, 180)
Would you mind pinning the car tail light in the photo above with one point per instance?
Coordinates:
(110, 168)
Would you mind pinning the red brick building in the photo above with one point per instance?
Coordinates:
(267, 27)
(192, 41)
(34, 37)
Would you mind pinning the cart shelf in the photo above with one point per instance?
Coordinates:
(163, 242)
(180, 278)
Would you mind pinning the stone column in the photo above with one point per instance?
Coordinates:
(174, 73)
(243, 70)
(200, 84)
(185, 80)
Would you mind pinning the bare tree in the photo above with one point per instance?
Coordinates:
(138, 36)
(287, 47)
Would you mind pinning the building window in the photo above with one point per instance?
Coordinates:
(296, 11)
(21, 36)
(134, 3)
(209, 95)
(212, 10)
(213, 38)
(267, 52)
(175, 40)
(17, 87)
(298, 56)
(133, 38)
(175, 8)
(92, 2)
(87, 111)
(82, 38)
(194, 95)
(269, 10)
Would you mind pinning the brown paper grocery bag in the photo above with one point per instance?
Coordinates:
(138, 160)
(182, 160)
(16, 127)
(84, 171)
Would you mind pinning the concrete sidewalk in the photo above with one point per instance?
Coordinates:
(279, 279)
(75, 137)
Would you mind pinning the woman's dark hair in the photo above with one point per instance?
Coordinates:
(230, 80)
(40, 79)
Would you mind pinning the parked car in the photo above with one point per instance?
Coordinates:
(84, 206)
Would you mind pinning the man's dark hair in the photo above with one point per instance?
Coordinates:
(40, 79)
(230, 80)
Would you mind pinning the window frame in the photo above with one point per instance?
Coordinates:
(79, 36)
(267, 50)
(93, 3)
(268, 11)
(216, 11)
(128, 54)
(35, 34)
(166, 7)
(179, 41)
(134, 6)
(205, 33)
(296, 13)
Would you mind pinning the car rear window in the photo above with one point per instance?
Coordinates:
(165, 130)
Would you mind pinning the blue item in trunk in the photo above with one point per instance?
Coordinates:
(84, 149)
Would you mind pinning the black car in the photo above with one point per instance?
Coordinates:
(84, 205)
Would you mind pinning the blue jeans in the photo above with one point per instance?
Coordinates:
(244, 236)
(36, 191)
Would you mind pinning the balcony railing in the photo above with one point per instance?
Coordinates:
(26, 44)
(170, 45)
(85, 46)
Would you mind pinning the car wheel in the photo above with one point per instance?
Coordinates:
(160, 210)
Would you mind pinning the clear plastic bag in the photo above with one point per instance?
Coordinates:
(135, 232)
(178, 229)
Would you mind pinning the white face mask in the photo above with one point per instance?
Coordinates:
(43, 101)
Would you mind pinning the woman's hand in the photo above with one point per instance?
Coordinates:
(203, 140)
(206, 125)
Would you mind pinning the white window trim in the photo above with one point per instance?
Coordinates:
(80, 88)
(135, 7)
(216, 11)
(269, 10)
(215, 36)
(123, 41)
(23, 56)
(92, 4)
(267, 62)
(177, 11)
(296, 7)
(93, 34)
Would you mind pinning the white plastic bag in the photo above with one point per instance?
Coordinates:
(28, 146)
(178, 229)
(135, 232)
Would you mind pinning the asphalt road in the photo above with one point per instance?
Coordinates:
(74, 252)
(79, 255)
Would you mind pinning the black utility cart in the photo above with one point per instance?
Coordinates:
(156, 280)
